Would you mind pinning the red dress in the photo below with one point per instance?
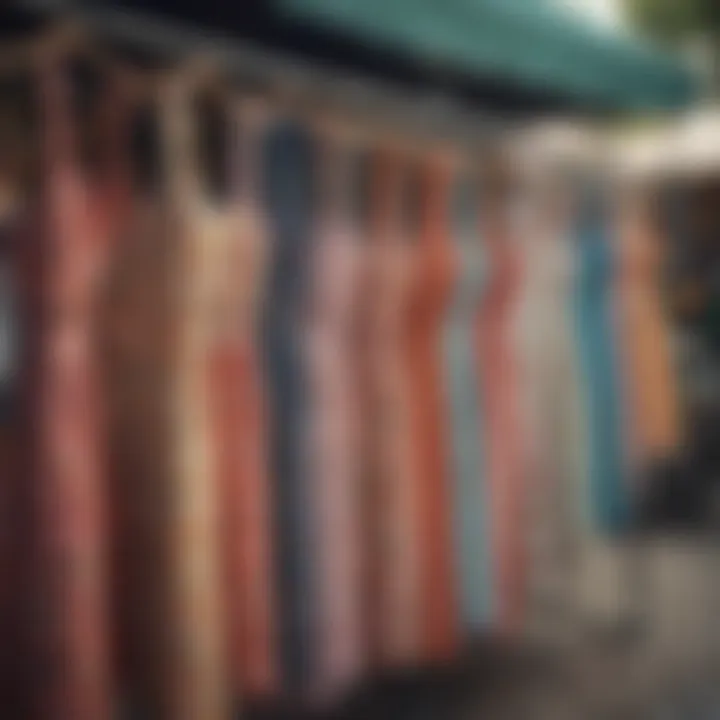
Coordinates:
(432, 277)
(391, 511)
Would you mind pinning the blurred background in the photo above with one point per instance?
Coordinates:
(359, 359)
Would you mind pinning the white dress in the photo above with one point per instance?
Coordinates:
(552, 414)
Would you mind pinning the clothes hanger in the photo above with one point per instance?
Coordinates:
(205, 71)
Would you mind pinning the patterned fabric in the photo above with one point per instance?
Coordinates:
(467, 470)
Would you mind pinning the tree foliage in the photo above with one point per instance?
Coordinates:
(673, 21)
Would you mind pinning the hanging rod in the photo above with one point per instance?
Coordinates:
(436, 114)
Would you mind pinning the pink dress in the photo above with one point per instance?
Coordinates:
(69, 606)
(332, 426)
(503, 426)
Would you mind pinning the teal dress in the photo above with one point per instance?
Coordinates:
(472, 539)
(607, 491)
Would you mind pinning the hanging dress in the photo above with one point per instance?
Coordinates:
(430, 289)
(332, 421)
(158, 313)
(650, 379)
(240, 415)
(505, 444)
(390, 491)
(289, 195)
(466, 462)
(553, 414)
(63, 609)
(607, 492)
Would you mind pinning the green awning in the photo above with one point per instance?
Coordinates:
(524, 42)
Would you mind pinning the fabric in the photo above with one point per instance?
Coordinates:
(157, 316)
(332, 427)
(608, 491)
(466, 462)
(667, 491)
(644, 333)
(556, 439)
(503, 427)
(431, 282)
(289, 197)
(64, 265)
(240, 426)
(391, 492)
(55, 249)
